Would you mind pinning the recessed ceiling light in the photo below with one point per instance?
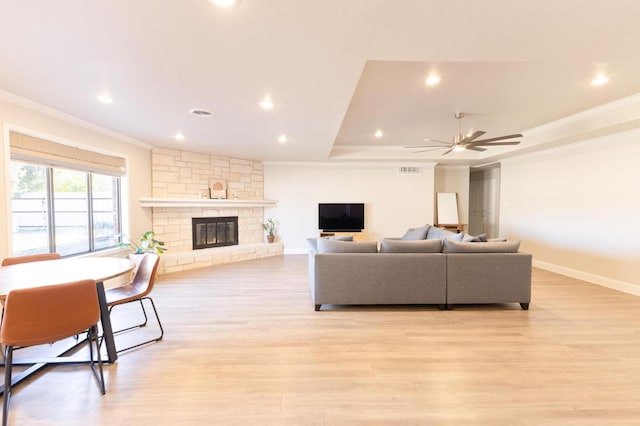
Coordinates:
(282, 138)
(378, 133)
(105, 98)
(225, 4)
(599, 80)
(200, 112)
(266, 103)
(432, 80)
(179, 136)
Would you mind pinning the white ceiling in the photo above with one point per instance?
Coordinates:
(336, 70)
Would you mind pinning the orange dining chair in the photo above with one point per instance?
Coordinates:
(30, 258)
(137, 290)
(25, 259)
(42, 315)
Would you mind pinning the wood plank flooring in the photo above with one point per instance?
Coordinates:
(244, 346)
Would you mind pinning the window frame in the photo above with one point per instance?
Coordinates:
(51, 222)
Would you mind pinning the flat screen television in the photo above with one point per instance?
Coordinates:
(341, 217)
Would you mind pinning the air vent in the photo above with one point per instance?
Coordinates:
(409, 170)
(200, 112)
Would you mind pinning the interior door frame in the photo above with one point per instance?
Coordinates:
(490, 175)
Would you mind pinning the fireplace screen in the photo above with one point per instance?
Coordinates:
(214, 232)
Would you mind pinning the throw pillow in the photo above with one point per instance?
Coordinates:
(444, 234)
(474, 238)
(336, 246)
(416, 233)
(489, 247)
(422, 246)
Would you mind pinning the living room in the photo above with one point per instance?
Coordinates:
(564, 191)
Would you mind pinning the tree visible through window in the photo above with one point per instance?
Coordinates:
(62, 210)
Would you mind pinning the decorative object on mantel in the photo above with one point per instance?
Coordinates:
(217, 189)
(146, 244)
(271, 226)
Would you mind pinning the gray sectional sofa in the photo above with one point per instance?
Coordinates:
(431, 271)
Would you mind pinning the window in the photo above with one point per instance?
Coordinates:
(69, 205)
(64, 211)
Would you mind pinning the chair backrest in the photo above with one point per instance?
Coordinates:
(30, 258)
(39, 315)
(145, 275)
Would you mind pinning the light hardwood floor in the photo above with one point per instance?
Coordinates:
(244, 346)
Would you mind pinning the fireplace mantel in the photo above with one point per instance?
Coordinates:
(203, 202)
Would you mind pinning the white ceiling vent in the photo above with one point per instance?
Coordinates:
(409, 170)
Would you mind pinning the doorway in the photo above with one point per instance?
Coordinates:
(484, 200)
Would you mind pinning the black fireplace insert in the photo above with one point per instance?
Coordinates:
(214, 232)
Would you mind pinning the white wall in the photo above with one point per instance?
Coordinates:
(576, 208)
(42, 122)
(393, 203)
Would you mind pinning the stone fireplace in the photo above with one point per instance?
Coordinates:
(180, 204)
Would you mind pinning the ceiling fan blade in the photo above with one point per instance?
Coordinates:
(437, 141)
(475, 148)
(492, 143)
(499, 138)
(447, 151)
(472, 136)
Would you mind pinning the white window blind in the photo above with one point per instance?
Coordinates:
(44, 152)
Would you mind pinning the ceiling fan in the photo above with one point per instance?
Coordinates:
(463, 142)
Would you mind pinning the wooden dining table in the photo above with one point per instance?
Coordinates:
(60, 271)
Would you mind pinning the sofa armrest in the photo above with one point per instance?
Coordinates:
(489, 278)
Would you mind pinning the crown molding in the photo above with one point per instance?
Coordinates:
(380, 164)
(628, 101)
(14, 99)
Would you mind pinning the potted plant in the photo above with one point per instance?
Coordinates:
(147, 243)
(271, 226)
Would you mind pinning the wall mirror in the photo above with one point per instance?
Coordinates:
(447, 208)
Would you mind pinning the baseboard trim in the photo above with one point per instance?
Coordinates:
(592, 278)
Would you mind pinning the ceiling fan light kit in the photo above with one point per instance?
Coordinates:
(470, 142)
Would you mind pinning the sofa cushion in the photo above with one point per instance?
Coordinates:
(340, 238)
(416, 233)
(336, 246)
(488, 247)
(313, 242)
(420, 246)
(444, 234)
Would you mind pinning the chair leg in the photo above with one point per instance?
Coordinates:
(142, 324)
(92, 336)
(8, 359)
(155, 311)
